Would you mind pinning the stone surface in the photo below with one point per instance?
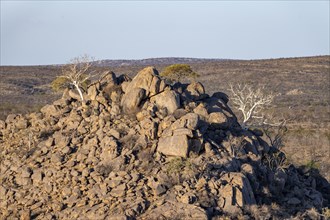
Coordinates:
(174, 146)
(169, 210)
(50, 110)
(167, 99)
(148, 80)
(92, 92)
(237, 192)
(132, 99)
(294, 201)
(195, 90)
(217, 118)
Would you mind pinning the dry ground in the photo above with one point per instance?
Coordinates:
(302, 82)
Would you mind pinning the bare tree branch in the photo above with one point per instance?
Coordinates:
(78, 71)
(250, 102)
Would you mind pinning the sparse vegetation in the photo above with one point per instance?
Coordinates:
(251, 102)
(60, 83)
(77, 73)
(178, 164)
(275, 134)
(180, 169)
(275, 160)
(312, 165)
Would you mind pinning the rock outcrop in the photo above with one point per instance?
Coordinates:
(142, 149)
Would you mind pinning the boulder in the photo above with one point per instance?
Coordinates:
(109, 85)
(131, 100)
(110, 149)
(74, 95)
(237, 192)
(50, 110)
(293, 201)
(215, 104)
(92, 92)
(125, 86)
(280, 179)
(148, 80)
(108, 80)
(195, 91)
(201, 111)
(21, 123)
(174, 146)
(217, 118)
(167, 99)
(190, 121)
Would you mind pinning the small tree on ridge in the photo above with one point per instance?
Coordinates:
(77, 73)
(177, 72)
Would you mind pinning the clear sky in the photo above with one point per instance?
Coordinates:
(52, 32)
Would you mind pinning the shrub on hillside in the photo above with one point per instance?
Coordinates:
(61, 83)
(178, 72)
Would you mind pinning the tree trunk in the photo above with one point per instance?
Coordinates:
(79, 91)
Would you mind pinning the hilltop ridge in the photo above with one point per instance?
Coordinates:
(153, 61)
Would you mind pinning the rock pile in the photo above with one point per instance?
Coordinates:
(142, 149)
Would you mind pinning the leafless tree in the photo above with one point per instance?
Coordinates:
(251, 102)
(275, 134)
(78, 72)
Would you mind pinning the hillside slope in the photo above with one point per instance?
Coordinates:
(302, 82)
(142, 149)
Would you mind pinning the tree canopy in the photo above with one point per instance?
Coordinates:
(177, 72)
(76, 73)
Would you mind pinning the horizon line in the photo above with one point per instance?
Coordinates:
(196, 58)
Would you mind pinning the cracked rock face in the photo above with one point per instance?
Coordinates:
(141, 149)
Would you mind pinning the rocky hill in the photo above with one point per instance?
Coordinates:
(142, 149)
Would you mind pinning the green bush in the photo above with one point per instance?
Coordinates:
(60, 83)
(177, 72)
(312, 165)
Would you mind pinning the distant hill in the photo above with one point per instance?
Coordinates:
(154, 61)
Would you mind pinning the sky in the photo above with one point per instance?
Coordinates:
(53, 32)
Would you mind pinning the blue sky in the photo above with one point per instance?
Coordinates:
(52, 32)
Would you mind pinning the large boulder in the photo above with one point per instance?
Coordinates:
(131, 100)
(237, 193)
(174, 146)
(224, 116)
(92, 92)
(148, 80)
(167, 99)
(108, 80)
(218, 120)
(190, 121)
